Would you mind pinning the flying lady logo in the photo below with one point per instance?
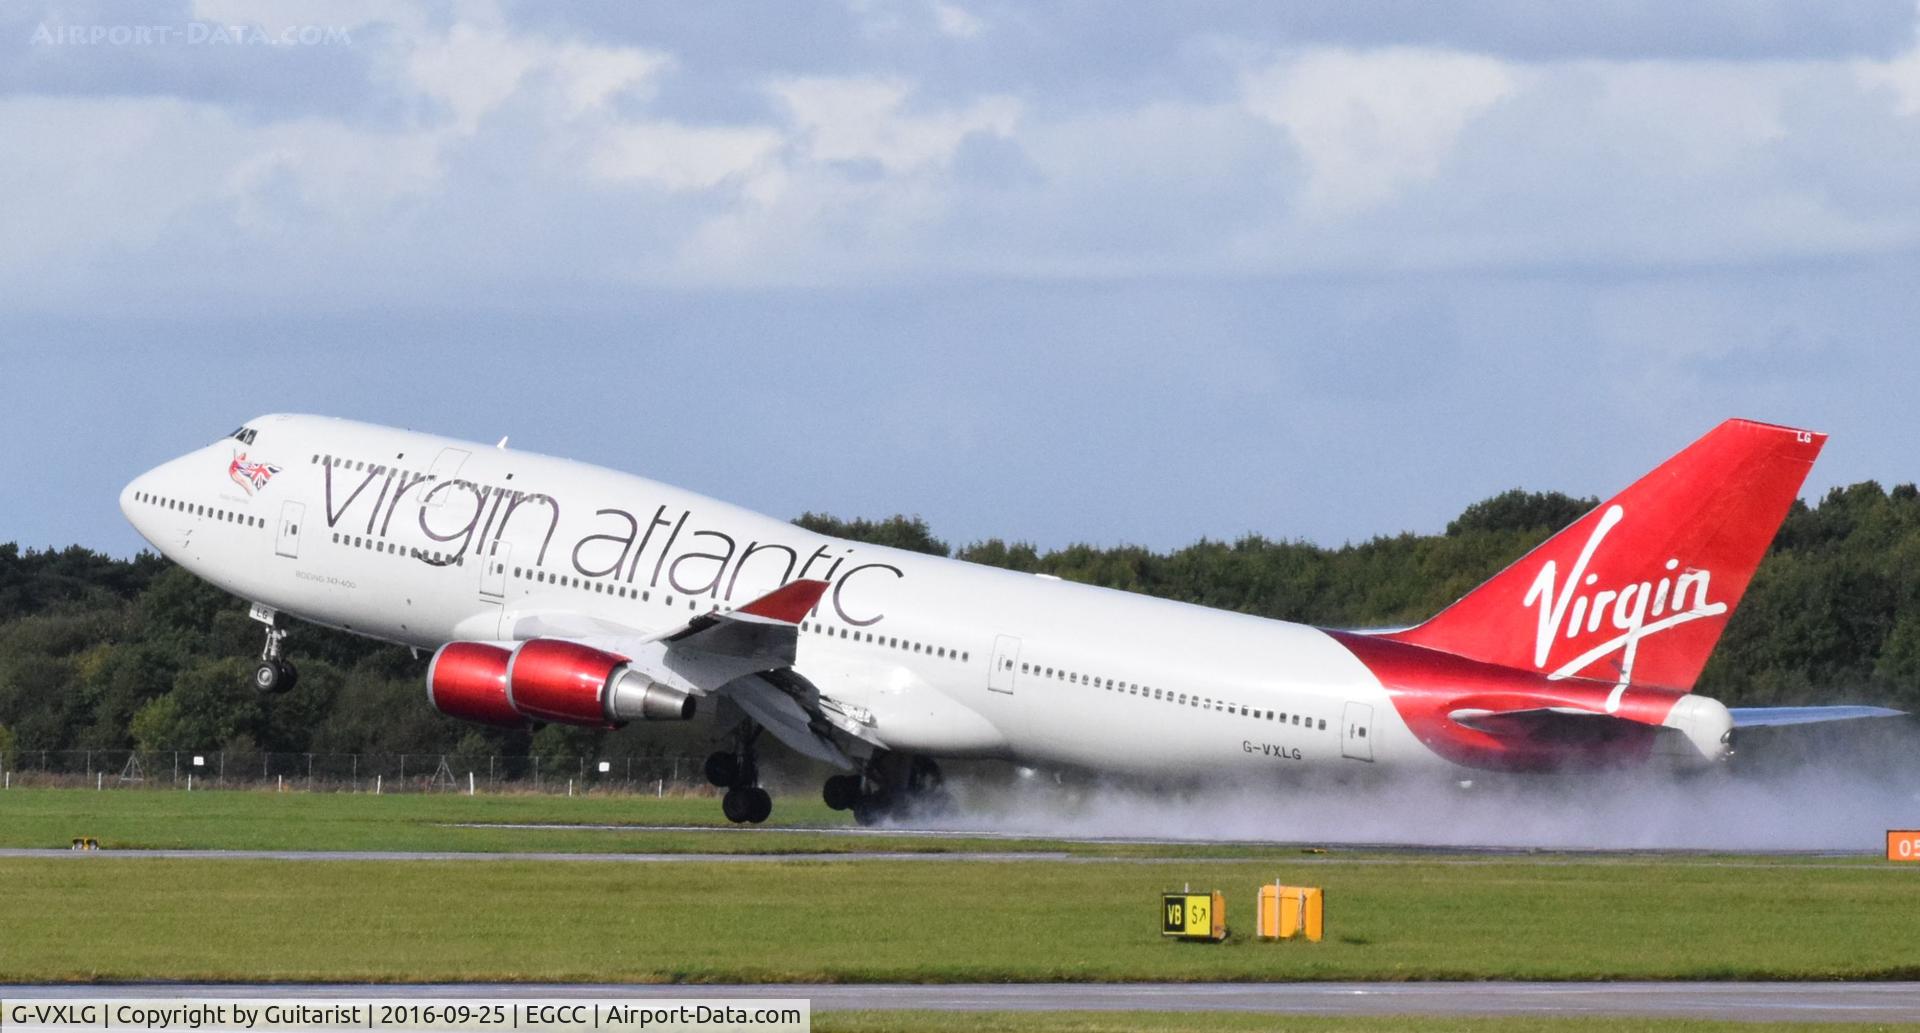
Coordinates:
(250, 476)
(1567, 609)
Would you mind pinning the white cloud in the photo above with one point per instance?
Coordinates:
(276, 16)
(866, 119)
(681, 157)
(1317, 159)
(474, 70)
(1900, 76)
(956, 21)
(1690, 117)
(1372, 123)
(338, 174)
(102, 176)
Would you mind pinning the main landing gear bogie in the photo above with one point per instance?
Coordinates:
(738, 772)
(891, 787)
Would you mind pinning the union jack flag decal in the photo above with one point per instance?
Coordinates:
(250, 476)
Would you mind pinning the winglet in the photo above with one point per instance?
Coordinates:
(787, 604)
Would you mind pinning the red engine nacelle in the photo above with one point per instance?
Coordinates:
(468, 680)
(553, 680)
(547, 680)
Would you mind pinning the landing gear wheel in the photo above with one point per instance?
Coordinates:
(759, 805)
(722, 769)
(841, 792)
(744, 804)
(894, 787)
(734, 806)
(927, 795)
(274, 677)
(869, 811)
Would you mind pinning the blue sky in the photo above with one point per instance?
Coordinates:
(1059, 272)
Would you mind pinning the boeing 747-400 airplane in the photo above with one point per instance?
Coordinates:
(557, 591)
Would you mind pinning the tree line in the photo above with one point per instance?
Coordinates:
(104, 654)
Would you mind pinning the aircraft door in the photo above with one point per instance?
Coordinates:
(493, 572)
(1006, 658)
(1356, 732)
(446, 466)
(286, 540)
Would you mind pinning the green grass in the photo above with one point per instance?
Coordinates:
(256, 820)
(1228, 1022)
(941, 921)
(1389, 916)
(261, 820)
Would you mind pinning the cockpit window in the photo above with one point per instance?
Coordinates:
(244, 435)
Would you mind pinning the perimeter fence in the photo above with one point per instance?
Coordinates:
(353, 772)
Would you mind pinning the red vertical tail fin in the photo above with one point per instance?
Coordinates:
(1638, 590)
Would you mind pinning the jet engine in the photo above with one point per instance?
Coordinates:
(554, 680)
(547, 680)
(468, 680)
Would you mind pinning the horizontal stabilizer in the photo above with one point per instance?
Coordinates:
(1766, 717)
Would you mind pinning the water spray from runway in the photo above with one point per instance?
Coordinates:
(1817, 800)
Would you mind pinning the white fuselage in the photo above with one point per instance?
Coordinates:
(422, 540)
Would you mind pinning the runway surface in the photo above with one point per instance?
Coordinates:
(1744, 1002)
(1429, 856)
(988, 856)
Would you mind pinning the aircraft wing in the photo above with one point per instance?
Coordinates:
(1767, 717)
(760, 636)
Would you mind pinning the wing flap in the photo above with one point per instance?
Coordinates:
(745, 654)
(784, 718)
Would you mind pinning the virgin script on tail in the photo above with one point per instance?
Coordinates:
(1631, 604)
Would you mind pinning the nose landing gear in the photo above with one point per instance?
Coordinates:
(738, 772)
(274, 674)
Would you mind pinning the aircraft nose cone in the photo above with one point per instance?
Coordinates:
(137, 507)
